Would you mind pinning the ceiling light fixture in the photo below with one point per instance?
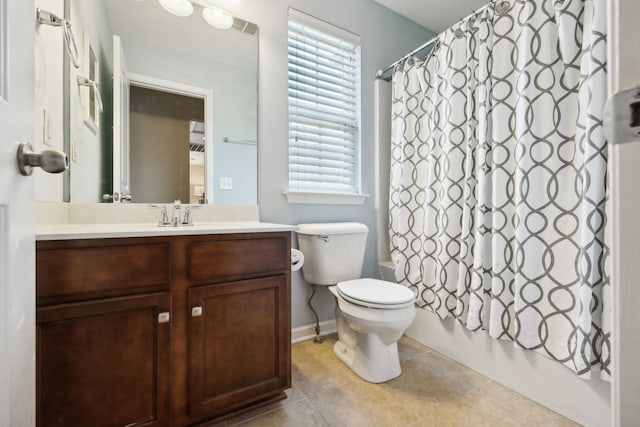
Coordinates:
(217, 18)
(215, 12)
(177, 7)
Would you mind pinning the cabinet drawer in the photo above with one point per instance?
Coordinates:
(102, 271)
(217, 261)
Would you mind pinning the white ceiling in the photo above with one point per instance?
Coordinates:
(436, 15)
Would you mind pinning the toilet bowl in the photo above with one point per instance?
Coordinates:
(371, 314)
(368, 331)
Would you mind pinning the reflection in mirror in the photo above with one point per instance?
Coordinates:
(162, 125)
(178, 63)
(197, 194)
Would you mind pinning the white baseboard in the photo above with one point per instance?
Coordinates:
(306, 332)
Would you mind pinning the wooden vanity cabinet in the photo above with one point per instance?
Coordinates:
(159, 331)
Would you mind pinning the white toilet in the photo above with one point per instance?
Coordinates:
(372, 314)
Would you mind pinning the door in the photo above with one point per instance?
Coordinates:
(121, 167)
(105, 362)
(624, 66)
(17, 283)
(238, 344)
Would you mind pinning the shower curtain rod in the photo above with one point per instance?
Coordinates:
(386, 73)
(500, 8)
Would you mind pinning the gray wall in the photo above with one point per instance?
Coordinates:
(49, 97)
(386, 36)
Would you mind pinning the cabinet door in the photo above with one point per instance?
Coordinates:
(104, 362)
(239, 344)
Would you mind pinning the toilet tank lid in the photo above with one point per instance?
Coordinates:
(331, 228)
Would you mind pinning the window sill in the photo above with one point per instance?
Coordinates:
(317, 198)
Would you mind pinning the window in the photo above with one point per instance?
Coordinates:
(324, 107)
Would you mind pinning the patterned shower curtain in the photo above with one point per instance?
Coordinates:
(499, 178)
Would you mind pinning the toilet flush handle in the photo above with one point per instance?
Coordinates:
(323, 238)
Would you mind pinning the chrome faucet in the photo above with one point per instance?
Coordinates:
(176, 219)
(164, 217)
(187, 219)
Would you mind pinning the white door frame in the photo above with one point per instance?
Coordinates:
(121, 146)
(624, 72)
(169, 86)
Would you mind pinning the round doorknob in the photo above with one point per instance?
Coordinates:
(52, 161)
(117, 197)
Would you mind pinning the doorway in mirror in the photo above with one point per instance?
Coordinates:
(167, 130)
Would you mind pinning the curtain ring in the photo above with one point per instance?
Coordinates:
(472, 19)
(502, 7)
(558, 4)
(435, 47)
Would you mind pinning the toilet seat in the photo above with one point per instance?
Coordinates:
(376, 293)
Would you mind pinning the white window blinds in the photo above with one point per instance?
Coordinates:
(324, 107)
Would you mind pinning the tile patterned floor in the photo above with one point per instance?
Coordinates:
(432, 391)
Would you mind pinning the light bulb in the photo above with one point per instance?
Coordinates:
(217, 18)
(177, 7)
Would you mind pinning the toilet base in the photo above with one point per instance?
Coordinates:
(369, 357)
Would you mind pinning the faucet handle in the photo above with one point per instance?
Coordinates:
(164, 217)
(187, 219)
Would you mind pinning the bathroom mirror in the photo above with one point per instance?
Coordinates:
(179, 106)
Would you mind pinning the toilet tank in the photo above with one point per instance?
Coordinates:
(333, 252)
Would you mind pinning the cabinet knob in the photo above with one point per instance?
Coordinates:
(196, 311)
(164, 317)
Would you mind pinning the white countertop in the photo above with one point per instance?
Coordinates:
(103, 231)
